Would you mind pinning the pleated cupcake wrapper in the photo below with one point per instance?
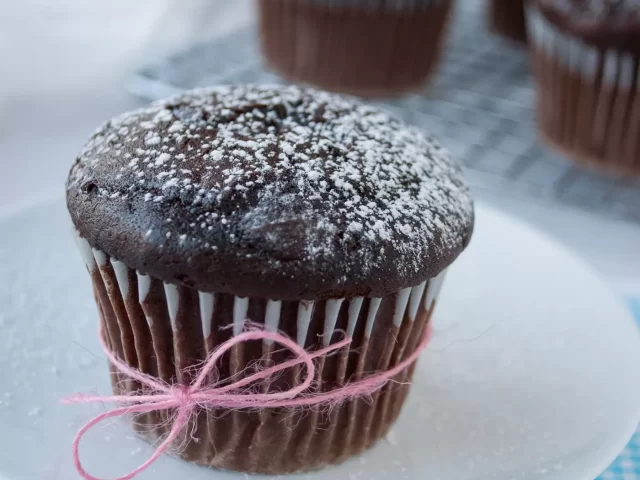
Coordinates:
(356, 47)
(588, 98)
(165, 329)
(377, 5)
(506, 18)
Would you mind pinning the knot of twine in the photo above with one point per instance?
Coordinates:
(186, 399)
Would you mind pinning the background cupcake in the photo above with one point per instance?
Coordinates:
(299, 210)
(366, 47)
(506, 18)
(586, 58)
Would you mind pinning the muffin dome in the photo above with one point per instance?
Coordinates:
(279, 192)
(603, 23)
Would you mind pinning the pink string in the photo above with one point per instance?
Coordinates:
(185, 399)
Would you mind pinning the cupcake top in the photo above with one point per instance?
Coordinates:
(278, 192)
(604, 23)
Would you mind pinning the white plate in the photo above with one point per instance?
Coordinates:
(532, 373)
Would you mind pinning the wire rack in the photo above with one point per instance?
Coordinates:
(480, 104)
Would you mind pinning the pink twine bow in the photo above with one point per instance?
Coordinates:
(185, 399)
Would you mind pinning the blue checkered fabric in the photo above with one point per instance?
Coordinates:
(627, 465)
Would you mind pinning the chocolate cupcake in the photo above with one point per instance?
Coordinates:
(364, 47)
(506, 18)
(586, 62)
(301, 211)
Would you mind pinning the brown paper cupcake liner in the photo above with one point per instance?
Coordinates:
(165, 330)
(366, 48)
(588, 102)
(506, 18)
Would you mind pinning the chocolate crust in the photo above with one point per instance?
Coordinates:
(604, 24)
(275, 192)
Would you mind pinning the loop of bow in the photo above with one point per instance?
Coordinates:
(186, 399)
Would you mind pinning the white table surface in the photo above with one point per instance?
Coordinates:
(65, 65)
(509, 387)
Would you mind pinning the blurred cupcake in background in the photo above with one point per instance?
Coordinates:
(363, 47)
(506, 18)
(586, 56)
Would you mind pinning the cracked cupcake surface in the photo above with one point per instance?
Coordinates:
(302, 194)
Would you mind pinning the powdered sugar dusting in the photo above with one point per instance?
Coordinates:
(300, 172)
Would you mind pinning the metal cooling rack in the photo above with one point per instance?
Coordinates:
(480, 104)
